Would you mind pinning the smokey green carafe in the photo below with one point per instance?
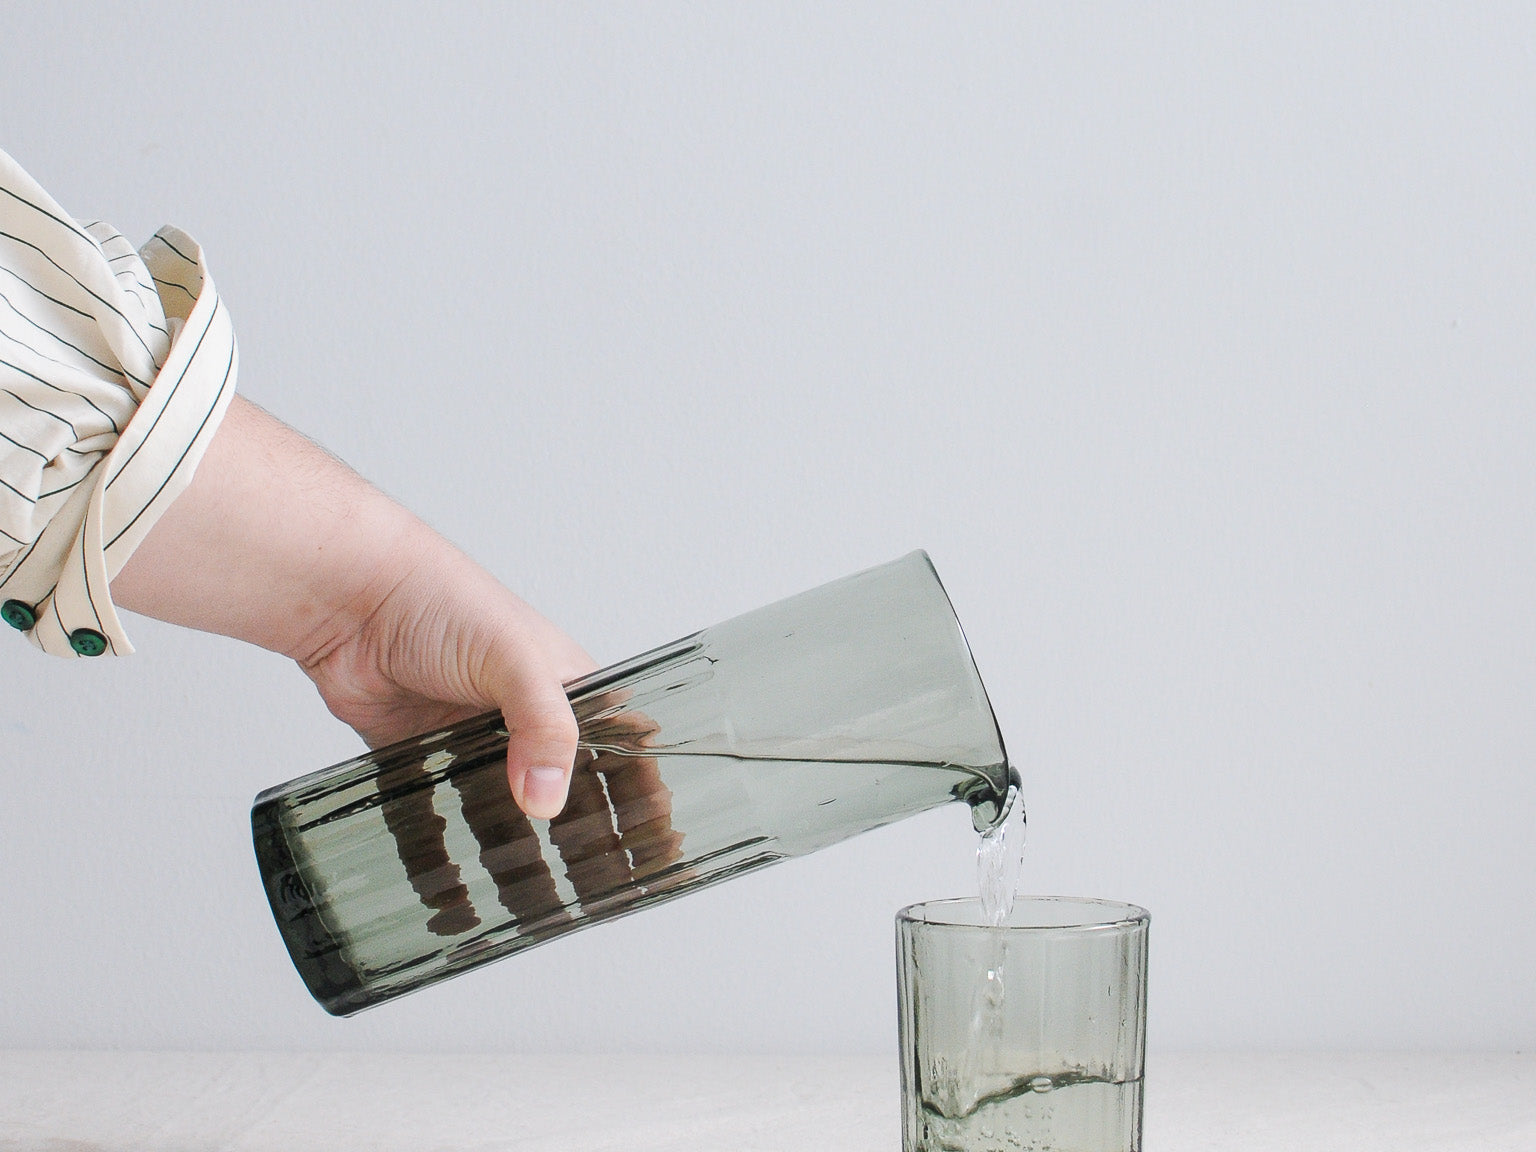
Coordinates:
(772, 735)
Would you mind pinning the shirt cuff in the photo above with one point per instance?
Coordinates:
(62, 579)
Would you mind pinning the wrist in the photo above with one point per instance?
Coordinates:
(339, 584)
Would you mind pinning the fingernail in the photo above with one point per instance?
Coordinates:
(544, 788)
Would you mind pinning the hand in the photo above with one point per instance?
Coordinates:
(280, 544)
(447, 642)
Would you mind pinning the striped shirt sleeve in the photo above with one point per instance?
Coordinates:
(116, 367)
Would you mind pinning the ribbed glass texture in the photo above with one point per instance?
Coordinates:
(771, 735)
(1031, 1035)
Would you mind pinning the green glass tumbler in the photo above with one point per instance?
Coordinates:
(772, 735)
(1028, 1034)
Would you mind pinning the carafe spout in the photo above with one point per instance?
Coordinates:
(993, 797)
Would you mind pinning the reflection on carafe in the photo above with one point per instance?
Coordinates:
(614, 832)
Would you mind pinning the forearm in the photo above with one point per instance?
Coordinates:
(278, 543)
(275, 542)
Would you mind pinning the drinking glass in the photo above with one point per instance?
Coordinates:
(1030, 1035)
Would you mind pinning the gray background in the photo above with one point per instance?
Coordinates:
(1196, 345)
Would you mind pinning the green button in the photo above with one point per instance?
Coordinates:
(87, 642)
(18, 615)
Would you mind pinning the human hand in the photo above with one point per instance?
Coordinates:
(446, 642)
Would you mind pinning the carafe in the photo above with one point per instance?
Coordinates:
(771, 735)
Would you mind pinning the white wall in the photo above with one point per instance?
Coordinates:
(1197, 347)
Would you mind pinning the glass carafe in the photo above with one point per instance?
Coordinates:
(772, 735)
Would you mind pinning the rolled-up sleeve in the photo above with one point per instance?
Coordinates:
(116, 367)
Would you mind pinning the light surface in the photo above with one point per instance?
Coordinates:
(1196, 342)
(223, 1102)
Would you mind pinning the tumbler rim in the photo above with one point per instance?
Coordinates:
(965, 913)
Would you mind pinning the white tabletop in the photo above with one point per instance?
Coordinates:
(242, 1102)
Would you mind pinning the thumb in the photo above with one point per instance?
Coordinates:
(542, 741)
